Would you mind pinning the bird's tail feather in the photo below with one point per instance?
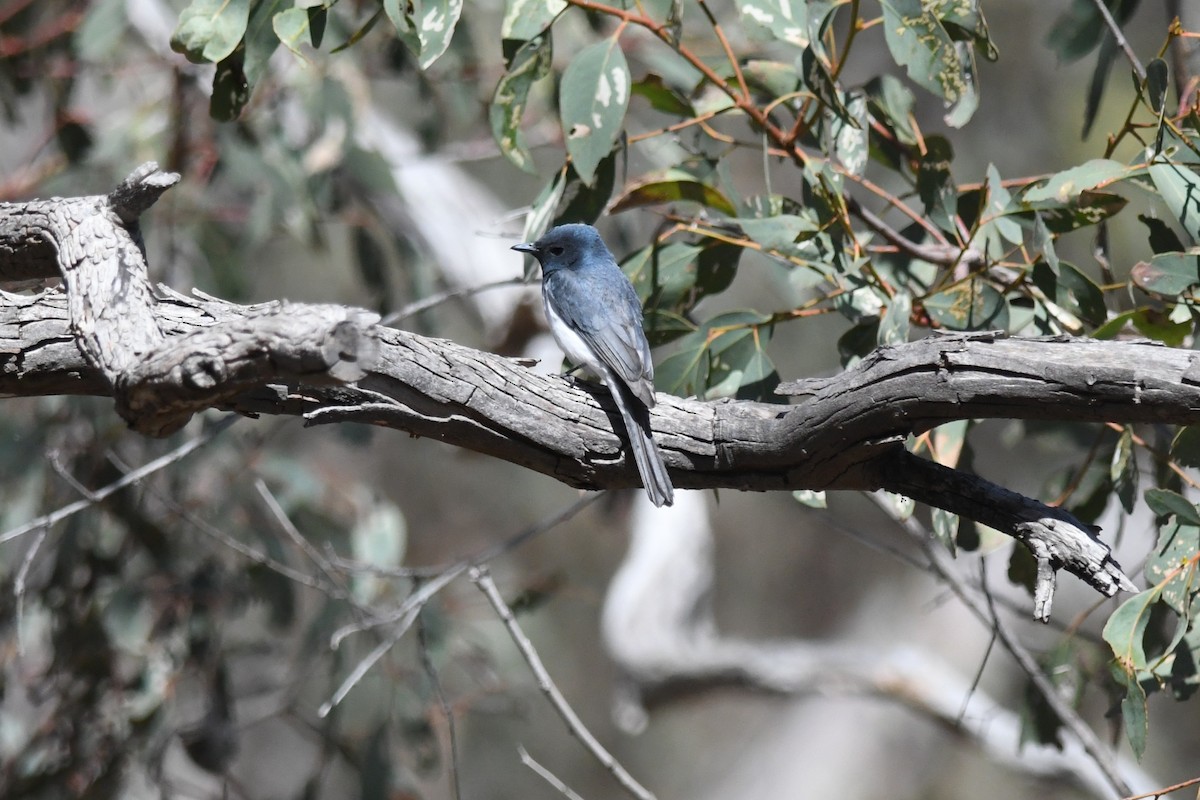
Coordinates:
(645, 453)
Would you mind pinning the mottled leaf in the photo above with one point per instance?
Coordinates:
(435, 21)
(593, 97)
(785, 20)
(530, 64)
(527, 19)
(919, 43)
(1172, 565)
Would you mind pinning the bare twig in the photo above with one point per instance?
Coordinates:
(305, 546)
(483, 556)
(1122, 42)
(179, 453)
(1157, 793)
(19, 585)
(939, 560)
(546, 775)
(426, 303)
(447, 712)
(480, 577)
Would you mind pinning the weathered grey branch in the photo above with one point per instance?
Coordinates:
(187, 353)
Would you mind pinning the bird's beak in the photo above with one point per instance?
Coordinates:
(526, 247)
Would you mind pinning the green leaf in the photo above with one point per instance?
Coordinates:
(291, 26)
(593, 97)
(969, 306)
(528, 19)
(1162, 238)
(676, 276)
(849, 134)
(1157, 84)
(893, 103)
(674, 186)
(1065, 187)
(210, 30)
(662, 97)
(261, 40)
(1091, 208)
(997, 230)
(771, 80)
(1133, 711)
(1125, 631)
(1168, 274)
(1165, 503)
(1124, 470)
(935, 184)
(1180, 190)
(724, 357)
(784, 20)
(1074, 291)
(894, 326)
(1155, 324)
(530, 64)
(1185, 448)
(820, 82)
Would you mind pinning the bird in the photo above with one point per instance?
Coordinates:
(596, 318)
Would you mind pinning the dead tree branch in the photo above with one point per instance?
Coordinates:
(163, 356)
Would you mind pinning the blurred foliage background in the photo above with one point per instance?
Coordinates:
(789, 185)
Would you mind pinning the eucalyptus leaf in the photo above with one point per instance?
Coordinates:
(593, 97)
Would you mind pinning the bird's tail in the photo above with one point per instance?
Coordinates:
(649, 461)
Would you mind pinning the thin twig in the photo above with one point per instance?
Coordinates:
(940, 562)
(125, 481)
(406, 613)
(546, 775)
(481, 578)
(293, 533)
(19, 585)
(1122, 42)
(1157, 793)
(427, 303)
(486, 554)
(447, 712)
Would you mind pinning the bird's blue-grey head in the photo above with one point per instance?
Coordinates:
(566, 247)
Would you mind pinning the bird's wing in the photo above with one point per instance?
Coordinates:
(607, 316)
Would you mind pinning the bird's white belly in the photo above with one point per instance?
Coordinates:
(572, 344)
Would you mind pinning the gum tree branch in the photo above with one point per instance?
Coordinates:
(332, 364)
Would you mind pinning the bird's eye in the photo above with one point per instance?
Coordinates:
(556, 250)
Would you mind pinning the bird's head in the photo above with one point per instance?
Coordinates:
(565, 246)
